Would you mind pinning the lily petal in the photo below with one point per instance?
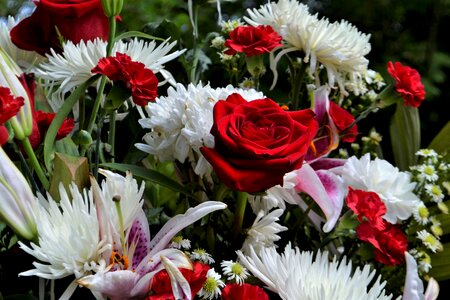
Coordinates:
(180, 286)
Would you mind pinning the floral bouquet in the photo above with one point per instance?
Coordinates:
(158, 164)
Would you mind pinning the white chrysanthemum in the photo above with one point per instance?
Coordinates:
(435, 192)
(234, 271)
(393, 186)
(212, 287)
(274, 198)
(427, 173)
(73, 66)
(339, 47)
(69, 237)
(298, 275)
(421, 214)
(264, 231)
(180, 123)
(25, 59)
(202, 256)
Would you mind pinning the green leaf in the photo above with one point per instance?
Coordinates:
(441, 142)
(441, 264)
(131, 34)
(165, 28)
(63, 112)
(150, 175)
(405, 135)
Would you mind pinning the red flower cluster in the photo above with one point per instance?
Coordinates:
(252, 40)
(42, 121)
(388, 239)
(140, 81)
(9, 107)
(245, 291)
(162, 289)
(73, 20)
(407, 83)
(257, 142)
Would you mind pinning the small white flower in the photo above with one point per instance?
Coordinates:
(234, 271)
(264, 231)
(435, 192)
(427, 153)
(430, 241)
(180, 243)
(427, 173)
(212, 287)
(202, 255)
(393, 186)
(421, 214)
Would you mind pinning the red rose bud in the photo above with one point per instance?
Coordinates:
(4, 135)
(257, 142)
(53, 20)
(141, 81)
(252, 40)
(407, 83)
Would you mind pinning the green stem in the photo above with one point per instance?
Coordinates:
(112, 133)
(241, 203)
(297, 85)
(35, 163)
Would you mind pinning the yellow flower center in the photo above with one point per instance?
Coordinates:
(210, 285)
(423, 212)
(237, 269)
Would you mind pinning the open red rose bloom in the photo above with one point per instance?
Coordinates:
(74, 20)
(257, 142)
(252, 40)
(408, 83)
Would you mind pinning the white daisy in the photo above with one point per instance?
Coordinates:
(427, 153)
(234, 271)
(69, 237)
(73, 66)
(180, 123)
(427, 173)
(298, 275)
(393, 186)
(202, 256)
(212, 287)
(25, 59)
(421, 214)
(179, 242)
(264, 231)
(435, 192)
(429, 241)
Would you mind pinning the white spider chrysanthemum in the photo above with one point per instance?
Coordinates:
(180, 123)
(202, 256)
(234, 271)
(212, 287)
(73, 66)
(339, 47)
(264, 231)
(25, 59)
(69, 237)
(297, 275)
(393, 186)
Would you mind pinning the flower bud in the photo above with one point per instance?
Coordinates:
(17, 202)
(112, 8)
(22, 123)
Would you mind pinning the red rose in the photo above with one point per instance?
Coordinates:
(257, 142)
(141, 81)
(390, 243)
(246, 291)
(74, 20)
(162, 288)
(407, 83)
(343, 119)
(367, 206)
(252, 40)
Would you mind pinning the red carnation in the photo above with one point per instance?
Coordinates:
(252, 40)
(245, 291)
(140, 81)
(9, 105)
(162, 288)
(367, 206)
(44, 119)
(390, 243)
(407, 83)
